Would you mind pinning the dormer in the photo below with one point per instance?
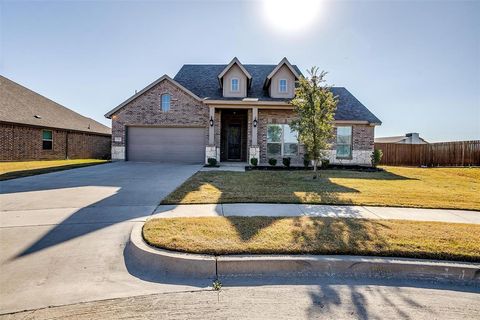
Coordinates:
(235, 80)
(280, 83)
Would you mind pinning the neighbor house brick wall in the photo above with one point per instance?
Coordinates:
(21, 143)
(145, 110)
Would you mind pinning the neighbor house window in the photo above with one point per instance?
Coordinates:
(235, 86)
(281, 140)
(47, 140)
(165, 102)
(282, 85)
(344, 142)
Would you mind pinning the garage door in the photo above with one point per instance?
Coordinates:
(184, 145)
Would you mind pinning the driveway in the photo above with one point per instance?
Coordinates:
(62, 234)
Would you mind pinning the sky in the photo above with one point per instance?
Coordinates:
(414, 64)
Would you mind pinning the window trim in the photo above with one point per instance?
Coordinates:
(282, 141)
(238, 85)
(50, 140)
(349, 157)
(169, 101)
(280, 86)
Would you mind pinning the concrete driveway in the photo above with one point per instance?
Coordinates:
(62, 234)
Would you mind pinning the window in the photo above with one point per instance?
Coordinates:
(344, 142)
(165, 102)
(281, 140)
(47, 140)
(282, 85)
(234, 85)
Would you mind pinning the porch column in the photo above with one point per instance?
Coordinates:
(254, 128)
(254, 151)
(211, 128)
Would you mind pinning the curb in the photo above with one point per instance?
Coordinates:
(166, 262)
(208, 266)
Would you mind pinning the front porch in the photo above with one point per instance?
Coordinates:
(232, 136)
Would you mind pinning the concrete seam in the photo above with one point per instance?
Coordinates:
(456, 215)
(363, 207)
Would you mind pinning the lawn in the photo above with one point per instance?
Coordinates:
(18, 169)
(454, 188)
(314, 235)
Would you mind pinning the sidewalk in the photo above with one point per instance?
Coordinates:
(336, 211)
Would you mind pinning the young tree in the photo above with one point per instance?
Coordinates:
(314, 105)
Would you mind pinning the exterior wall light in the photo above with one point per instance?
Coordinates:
(211, 121)
(255, 122)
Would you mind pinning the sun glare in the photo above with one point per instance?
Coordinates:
(291, 15)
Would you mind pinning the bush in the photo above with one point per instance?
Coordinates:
(376, 157)
(254, 162)
(325, 163)
(212, 162)
(286, 162)
(272, 161)
(306, 161)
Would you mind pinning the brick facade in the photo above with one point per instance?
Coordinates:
(145, 110)
(20, 143)
(185, 111)
(362, 136)
(266, 117)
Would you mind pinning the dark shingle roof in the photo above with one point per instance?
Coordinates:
(202, 79)
(21, 105)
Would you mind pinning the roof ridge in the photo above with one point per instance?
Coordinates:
(70, 112)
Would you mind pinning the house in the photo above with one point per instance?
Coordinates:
(409, 138)
(33, 127)
(231, 112)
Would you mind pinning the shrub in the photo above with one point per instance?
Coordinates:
(306, 160)
(376, 157)
(212, 162)
(254, 162)
(286, 162)
(325, 163)
(272, 161)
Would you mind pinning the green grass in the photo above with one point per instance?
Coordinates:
(314, 235)
(454, 188)
(18, 169)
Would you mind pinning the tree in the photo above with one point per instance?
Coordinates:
(314, 105)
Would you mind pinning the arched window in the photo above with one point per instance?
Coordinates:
(165, 102)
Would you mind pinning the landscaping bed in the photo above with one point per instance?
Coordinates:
(450, 188)
(314, 235)
(18, 169)
(328, 167)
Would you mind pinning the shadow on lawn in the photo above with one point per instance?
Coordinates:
(32, 172)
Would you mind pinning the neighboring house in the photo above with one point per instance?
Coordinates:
(409, 138)
(232, 113)
(33, 127)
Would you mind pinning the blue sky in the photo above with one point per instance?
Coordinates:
(415, 64)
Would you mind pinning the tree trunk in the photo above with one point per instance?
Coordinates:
(315, 164)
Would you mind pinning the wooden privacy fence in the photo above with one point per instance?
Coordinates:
(459, 153)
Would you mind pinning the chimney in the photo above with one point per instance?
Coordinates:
(413, 138)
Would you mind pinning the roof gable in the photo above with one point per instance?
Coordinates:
(21, 105)
(151, 85)
(229, 66)
(283, 62)
(280, 64)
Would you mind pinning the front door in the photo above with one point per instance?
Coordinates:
(234, 142)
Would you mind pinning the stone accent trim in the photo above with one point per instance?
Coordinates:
(254, 152)
(212, 151)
